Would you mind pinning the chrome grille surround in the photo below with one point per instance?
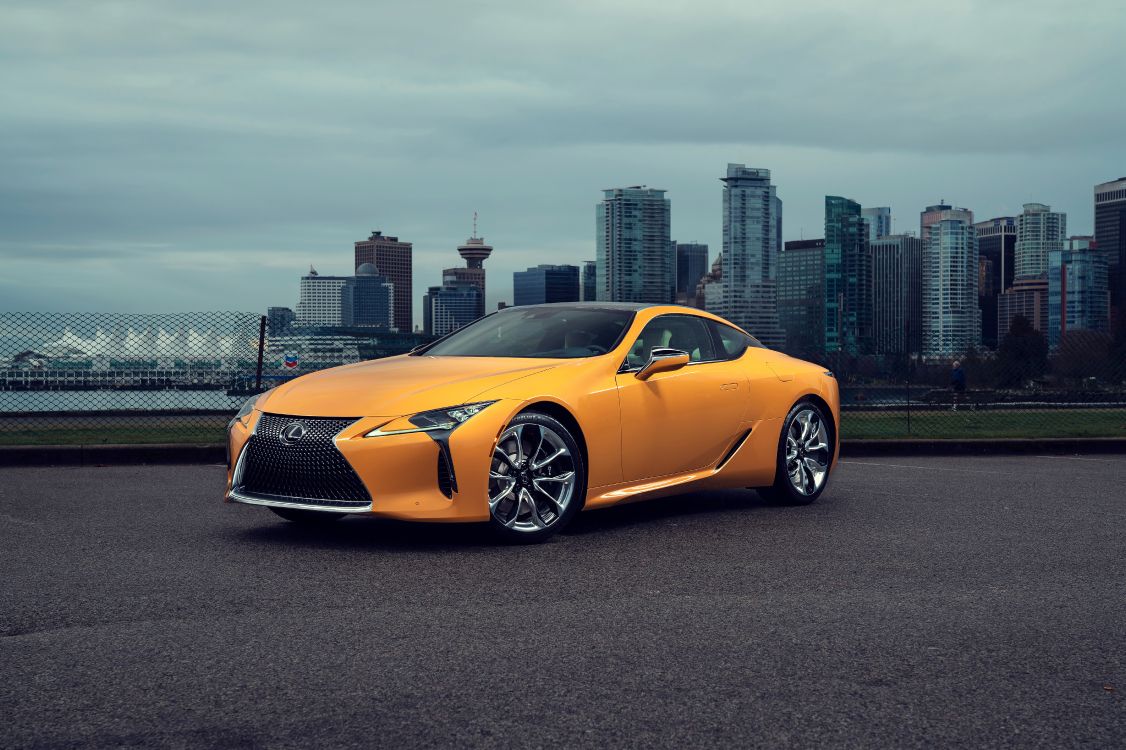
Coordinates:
(308, 473)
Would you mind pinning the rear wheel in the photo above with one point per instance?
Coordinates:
(536, 479)
(805, 451)
(307, 517)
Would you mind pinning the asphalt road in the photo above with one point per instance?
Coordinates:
(921, 602)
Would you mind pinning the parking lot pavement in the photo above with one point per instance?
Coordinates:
(922, 601)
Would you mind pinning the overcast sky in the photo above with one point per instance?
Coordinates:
(197, 155)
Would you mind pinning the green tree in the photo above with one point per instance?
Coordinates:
(1022, 356)
(1083, 354)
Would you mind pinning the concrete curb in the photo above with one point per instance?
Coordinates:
(105, 455)
(980, 447)
(163, 453)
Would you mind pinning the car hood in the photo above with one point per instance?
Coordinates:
(396, 386)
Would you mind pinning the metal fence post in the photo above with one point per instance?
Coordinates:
(261, 348)
(907, 353)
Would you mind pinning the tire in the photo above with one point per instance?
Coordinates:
(537, 479)
(307, 517)
(805, 455)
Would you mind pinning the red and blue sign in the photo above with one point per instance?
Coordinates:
(290, 360)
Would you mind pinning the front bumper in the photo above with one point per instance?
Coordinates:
(400, 472)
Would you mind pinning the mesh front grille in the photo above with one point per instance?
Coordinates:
(310, 470)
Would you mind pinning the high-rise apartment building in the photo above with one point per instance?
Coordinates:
(454, 304)
(1078, 295)
(368, 301)
(590, 281)
(848, 283)
(691, 265)
(801, 297)
(878, 221)
(279, 321)
(1040, 230)
(752, 241)
(545, 283)
(320, 300)
(392, 260)
(463, 276)
(709, 292)
(1027, 298)
(996, 249)
(951, 320)
(633, 259)
(897, 300)
(1110, 238)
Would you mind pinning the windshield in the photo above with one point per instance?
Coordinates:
(550, 332)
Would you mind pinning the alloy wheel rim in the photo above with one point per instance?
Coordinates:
(531, 478)
(807, 452)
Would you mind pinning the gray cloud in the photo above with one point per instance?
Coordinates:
(160, 155)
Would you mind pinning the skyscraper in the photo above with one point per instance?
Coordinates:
(691, 265)
(951, 323)
(996, 249)
(1039, 231)
(634, 264)
(751, 244)
(545, 283)
(1078, 296)
(392, 260)
(878, 220)
(590, 281)
(848, 284)
(897, 301)
(801, 297)
(1110, 237)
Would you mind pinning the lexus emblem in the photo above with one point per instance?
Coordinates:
(292, 432)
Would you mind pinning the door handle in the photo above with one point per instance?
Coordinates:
(729, 387)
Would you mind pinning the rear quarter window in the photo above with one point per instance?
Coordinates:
(730, 342)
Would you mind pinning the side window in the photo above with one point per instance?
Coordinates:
(732, 342)
(685, 332)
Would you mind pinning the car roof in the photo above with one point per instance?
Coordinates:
(628, 306)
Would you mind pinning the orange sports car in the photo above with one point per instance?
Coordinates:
(531, 414)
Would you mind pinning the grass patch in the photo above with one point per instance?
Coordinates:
(954, 425)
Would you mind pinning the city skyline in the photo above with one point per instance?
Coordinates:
(637, 225)
(236, 153)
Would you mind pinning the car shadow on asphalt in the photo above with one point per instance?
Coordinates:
(391, 535)
(663, 509)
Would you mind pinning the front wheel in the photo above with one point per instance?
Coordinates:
(536, 479)
(805, 451)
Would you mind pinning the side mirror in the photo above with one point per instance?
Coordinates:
(662, 360)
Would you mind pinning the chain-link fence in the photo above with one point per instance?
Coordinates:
(87, 378)
(101, 378)
(1074, 386)
(178, 378)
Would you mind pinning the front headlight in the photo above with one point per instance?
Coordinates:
(435, 420)
(248, 408)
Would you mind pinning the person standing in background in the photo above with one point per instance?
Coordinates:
(957, 383)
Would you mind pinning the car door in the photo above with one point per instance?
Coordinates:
(684, 419)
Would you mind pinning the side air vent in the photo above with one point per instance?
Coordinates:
(445, 475)
(733, 450)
